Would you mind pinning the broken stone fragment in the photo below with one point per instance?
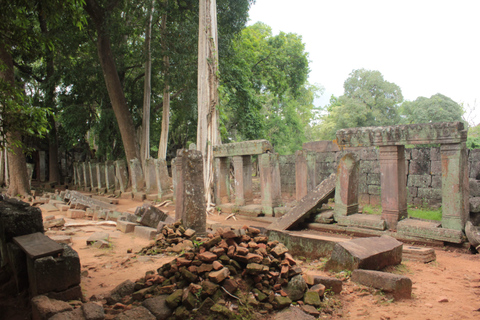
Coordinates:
(207, 257)
(282, 302)
(279, 250)
(54, 223)
(218, 276)
(123, 289)
(399, 286)
(312, 298)
(158, 306)
(296, 288)
(174, 299)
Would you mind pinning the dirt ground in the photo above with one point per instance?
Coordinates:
(448, 288)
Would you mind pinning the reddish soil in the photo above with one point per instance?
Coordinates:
(446, 288)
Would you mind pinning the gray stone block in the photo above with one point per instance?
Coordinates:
(373, 253)
(474, 187)
(422, 181)
(368, 221)
(45, 308)
(126, 227)
(474, 204)
(158, 307)
(54, 274)
(397, 285)
(145, 232)
(92, 311)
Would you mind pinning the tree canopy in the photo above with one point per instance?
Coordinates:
(437, 108)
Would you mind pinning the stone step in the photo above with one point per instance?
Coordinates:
(358, 220)
(429, 230)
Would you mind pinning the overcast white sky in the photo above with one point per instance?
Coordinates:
(425, 47)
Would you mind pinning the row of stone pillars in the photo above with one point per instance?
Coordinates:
(391, 141)
(241, 154)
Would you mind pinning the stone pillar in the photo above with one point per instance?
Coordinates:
(86, 176)
(239, 188)
(247, 179)
(163, 179)
(92, 171)
(100, 172)
(222, 180)
(455, 186)
(190, 206)
(346, 187)
(43, 167)
(121, 175)
(138, 181)
(80, 179)
(393, 184)
(174, 179)
(305, 175)
(30, 167)
(110, 176)
(75, 179)
(150, 176)
(269, 182)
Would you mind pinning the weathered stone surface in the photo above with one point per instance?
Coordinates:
(138, 313)
(293, 313)
(76, 214)
(296, 288)
(54, 223)
(45, 308)
(72, 293)
(243, 148)
(368, 221)
(76, 314)
(97, 236)
(125, 288)
(17, 218)
(307, 205)
(346, 186)
(54, 274)
(145, 232)
(320, 146)
(474, 186)
(92, 311)
(399, 286)
(157, 305)
(190, 203)
(312, 298)
(443, 133)
(373, 253)
(174, 299)
(429, 230)
(126, 227)
(152, 215)
(420, 254)
(218, 276)
(269, 182)
(474, 204)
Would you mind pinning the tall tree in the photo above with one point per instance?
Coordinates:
(99, 16)
(207, 127)
(369, 100)
(437, 108)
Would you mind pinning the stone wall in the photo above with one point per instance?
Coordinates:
(423, 168)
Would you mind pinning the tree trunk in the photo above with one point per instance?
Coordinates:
(112, 81)
(17, 163)
(147, 90)
(162, 148)
(207, 129)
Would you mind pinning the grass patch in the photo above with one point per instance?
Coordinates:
(413, 212)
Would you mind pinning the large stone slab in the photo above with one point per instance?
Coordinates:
(420, 254)
(243, 148)
(368, 221)
(307, 205)
(373, 253)
(440, 132)
(151, 216)
(37, 245)
(429, 230)
(397, 285)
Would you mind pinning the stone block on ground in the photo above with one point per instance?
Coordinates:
(145, 232)
(139, 196)
(429, 230)
(333, 284)
(45, 308)
(474, 203)
(158, 306)
(126, 195)
(92, 311)
(313, 200)
(48, 207)
(72, 293)
(420, 254)
(76, 214)
(138, 313)
(125, 288)
(368, 221)
(97, 236)
(61, 239)
(374, 253)
(126, 227)
(152, 215)
(397, 285)
(49, 274)
(55, 223)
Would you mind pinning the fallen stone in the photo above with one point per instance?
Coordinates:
(48, 218)
(45, 308)
(76, 214)
(158, 306)
(126, 226)
(474, 204)
(48, 207)
(399, 286)
(55, 223)
(101, 244)
(145, 232)
(311, 310)
(174, 300)
(312, 298)
(424, 255)
(62, 239)
(293, 313)
(374, 253)
(218, 276)
(69, 315)
(138, 313)
(92, 311)
(308, 205)
(72, 293)
(151, 216)
(296, 288)
(98, 236)
(123, 289)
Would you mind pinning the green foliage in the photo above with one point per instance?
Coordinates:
(473, 138)
(368, 100)
(437, 108)
(264, 93)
